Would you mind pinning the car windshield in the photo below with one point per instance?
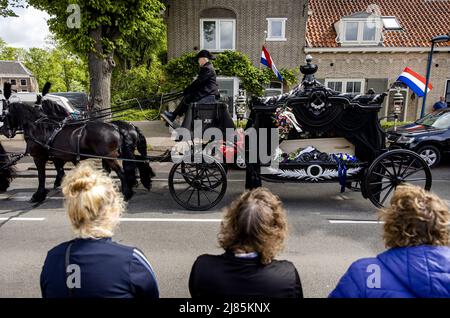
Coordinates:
(436, 120)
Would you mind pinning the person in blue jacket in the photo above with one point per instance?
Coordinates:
(417, 262)
(92, 265)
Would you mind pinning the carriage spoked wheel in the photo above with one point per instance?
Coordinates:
(197, 186)
(392, 169)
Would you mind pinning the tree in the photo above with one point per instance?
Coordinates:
(9, 53)
(6, 7)
(66, 71)
(106, 27)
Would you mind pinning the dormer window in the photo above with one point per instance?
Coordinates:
(359, 29)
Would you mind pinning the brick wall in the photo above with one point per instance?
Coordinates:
(387, 66)
(183, 19)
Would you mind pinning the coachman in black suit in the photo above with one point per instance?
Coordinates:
(203, 89)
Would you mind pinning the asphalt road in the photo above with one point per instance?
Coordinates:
(172, 238)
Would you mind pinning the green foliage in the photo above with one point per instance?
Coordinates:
(138, 82)
(181, 71)
(120, 25)
(137, 115)
(290, 77)
(6, 7)
(390, 124)
(66, 71)
(9, 53)
(233, 63)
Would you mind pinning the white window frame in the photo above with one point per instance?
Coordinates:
(11, 81)
(446, 86)
(217, 21)
(344, 82)
(269, 29)
(23, 79)
(360, 38)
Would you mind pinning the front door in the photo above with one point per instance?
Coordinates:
(228, 89)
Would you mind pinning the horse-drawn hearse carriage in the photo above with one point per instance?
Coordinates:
(323, 136)
(331, 137)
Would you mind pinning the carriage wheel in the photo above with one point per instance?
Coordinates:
(392, 169)
(197, 186)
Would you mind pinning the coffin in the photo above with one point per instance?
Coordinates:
(327, 145)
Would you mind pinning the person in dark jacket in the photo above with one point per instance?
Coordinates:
(252, 233)
(441, 104)
(417, 262)
(203, 89)
(92, 265)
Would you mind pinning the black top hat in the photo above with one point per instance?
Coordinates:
(205, 53)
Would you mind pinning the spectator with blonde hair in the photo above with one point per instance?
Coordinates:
(417, 262)
(252, 233)
(92, 265)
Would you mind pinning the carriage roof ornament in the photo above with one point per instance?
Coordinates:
(308, 70)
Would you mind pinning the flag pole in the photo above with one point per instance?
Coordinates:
(261, 47)
(427, 80)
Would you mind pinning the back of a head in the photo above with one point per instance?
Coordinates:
(415, 217)
(255, 222)
(93, 203)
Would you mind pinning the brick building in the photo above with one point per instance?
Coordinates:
(219, 25)
(362, 44)
(21, 79)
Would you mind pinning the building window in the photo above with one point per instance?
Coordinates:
(23, 82)
(24, 91)
(13, 82)
(217, 34)
(391, 23)
(273, 89)
(347, 86)
(276, 29)
(361, 32)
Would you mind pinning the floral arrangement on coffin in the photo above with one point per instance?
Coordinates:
(295, 156)
(285, 121)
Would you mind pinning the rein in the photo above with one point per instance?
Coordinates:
(79, 154)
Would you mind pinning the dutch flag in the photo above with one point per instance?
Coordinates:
(414, 81)
(267, 61)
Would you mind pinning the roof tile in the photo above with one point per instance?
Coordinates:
(421, 20)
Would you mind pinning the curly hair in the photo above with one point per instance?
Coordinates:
(93, 202)
(415, 217)
(256, 222)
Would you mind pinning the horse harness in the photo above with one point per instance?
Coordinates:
(48, 145)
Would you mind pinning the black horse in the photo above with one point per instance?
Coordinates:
(6, 170)
(132, 140)
(92, 138)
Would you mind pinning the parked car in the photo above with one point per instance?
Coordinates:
(79, 100)
(428, 136)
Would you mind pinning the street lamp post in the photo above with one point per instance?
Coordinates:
(436, 39)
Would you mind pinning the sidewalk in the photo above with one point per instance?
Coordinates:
(157, 144)
(155, 132)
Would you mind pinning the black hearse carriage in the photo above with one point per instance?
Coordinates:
(331, 137)
(198, 180)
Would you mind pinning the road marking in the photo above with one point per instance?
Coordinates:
(354, 222)
(22, 219)
(168, 220)
(165, 180)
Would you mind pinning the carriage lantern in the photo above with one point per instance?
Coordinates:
(241, 105)
(398, 106)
